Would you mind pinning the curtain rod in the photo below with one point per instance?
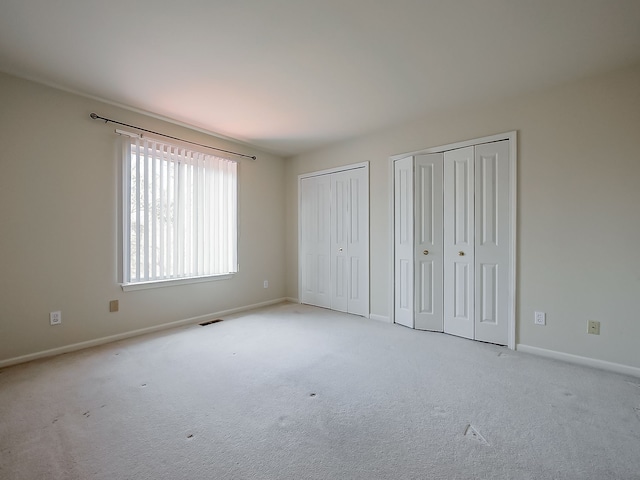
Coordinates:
(95, 116)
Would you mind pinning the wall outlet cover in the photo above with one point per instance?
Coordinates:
(55, 318)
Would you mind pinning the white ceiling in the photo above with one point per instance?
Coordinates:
(293, 75)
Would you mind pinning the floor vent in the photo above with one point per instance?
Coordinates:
(210, 322)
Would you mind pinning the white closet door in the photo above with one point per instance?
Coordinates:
(334, 240)
(429, 251)
(339, 233)
(459, 251)
(358, 241)
(492, 242)
(404, 241)
(315, 241)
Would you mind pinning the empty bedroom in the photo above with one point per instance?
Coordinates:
(353, 239)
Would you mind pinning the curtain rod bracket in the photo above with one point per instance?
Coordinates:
(95, 116)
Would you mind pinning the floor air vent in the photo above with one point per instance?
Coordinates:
(204, 324)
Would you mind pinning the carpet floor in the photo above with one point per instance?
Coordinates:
(296, 392)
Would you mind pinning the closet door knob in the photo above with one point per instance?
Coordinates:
(461, 254)
(425, 252)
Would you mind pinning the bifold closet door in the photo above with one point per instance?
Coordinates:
(452, 241)
(334, 241)
(418, 255)
(459, 247)
(476, 238)
(315, 244)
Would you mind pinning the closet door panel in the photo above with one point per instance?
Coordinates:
(404, 242)
(315, 241)
(492, 241)
(339, 241)
(428, 252)
(357, 263)
(459, 233)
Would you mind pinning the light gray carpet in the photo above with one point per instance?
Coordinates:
(295, 392)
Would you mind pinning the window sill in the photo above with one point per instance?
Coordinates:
(129, 287)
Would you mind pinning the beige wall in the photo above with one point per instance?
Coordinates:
(578, 221)
(578, 224)
(58, 221)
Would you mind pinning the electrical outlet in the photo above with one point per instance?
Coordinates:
(55, 318)
(266, 284)
(594, 327)
(540, 318)
(114, 306)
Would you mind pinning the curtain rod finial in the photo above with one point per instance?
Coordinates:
(93, 115)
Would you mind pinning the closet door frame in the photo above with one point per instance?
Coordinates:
(345, 168)
(513, 196)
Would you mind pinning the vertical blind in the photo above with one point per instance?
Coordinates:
(180, 212)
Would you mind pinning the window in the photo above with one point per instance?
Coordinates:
(179, 212)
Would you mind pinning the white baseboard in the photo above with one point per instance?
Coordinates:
(134, 333)
(380, 318)
(586, 361)
(291, 300)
